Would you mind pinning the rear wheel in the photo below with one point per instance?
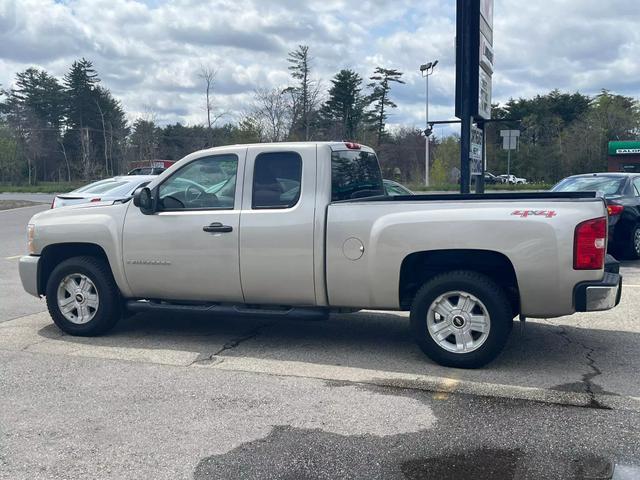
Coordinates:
(82, 297)
(461, 319)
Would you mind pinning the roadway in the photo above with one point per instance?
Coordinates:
(175, 396)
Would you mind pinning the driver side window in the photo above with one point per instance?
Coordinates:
(207, 183)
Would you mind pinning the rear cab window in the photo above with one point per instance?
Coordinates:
(355, 174)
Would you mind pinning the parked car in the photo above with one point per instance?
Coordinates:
(395, 188)
(108, 190)
(513, 180)
(146, 171)
(622, 194)
(490, 178)
(309, 230)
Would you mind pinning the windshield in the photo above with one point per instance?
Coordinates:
(87, 188)
(101, 186)
(355, 174)
(606, 185)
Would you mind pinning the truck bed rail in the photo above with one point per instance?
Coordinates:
(475, 196)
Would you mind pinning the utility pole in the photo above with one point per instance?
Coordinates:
(427, 70)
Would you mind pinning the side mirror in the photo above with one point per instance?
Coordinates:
(143, 199)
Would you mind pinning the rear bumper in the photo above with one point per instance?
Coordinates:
(28, 268)
(598, 296)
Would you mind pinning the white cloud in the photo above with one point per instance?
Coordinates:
(149, 54)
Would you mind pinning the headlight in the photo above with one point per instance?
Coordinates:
(31, 231)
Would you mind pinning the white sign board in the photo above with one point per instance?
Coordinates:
(486, 10)
(484, 95)
(510, 139)
(475, 153)
(486, 59)
(486, 55)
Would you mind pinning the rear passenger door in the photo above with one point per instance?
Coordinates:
(276, 225)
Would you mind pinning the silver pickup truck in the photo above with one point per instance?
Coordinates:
(304, 229)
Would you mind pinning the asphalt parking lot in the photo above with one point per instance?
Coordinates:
(176, 396)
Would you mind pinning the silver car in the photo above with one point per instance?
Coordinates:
(106, 190)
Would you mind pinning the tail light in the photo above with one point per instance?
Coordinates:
(53, 202)
(614, 209)
(590, 244)
(352, 145)
(95, 200)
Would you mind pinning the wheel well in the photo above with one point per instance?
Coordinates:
(419, 267)
(52, 255)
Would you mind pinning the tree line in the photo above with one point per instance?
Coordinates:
(74, 129)
(561, 134)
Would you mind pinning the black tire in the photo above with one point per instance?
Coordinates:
(109, 309)
(633, 251)
(484, 289)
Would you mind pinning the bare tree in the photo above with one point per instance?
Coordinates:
(208, 74)
(104, 136)
(66, 159)
(272, 111)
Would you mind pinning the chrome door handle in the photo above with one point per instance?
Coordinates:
(217, 227)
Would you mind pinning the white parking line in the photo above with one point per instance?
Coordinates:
(15, 257)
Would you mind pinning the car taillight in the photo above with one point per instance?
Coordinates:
(95, 200)
(614, 209)
(590, 244)
(352, 145)
(53, 202)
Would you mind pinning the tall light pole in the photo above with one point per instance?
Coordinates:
(427, 70)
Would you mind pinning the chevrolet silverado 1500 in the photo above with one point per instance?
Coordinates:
(305, 228)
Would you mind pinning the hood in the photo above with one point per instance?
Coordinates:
(77, 208)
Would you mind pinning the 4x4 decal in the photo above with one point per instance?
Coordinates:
(535, 213)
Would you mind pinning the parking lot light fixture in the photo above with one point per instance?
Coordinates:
(426, 69)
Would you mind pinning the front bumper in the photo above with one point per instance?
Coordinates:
(29, 274)
(597, 296)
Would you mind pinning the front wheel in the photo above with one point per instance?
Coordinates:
(461, 319)
(82, 297)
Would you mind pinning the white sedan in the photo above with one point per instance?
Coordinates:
(110, 189)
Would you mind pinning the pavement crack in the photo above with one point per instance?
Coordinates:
(205, 359)
(26, 347)
(589, 386)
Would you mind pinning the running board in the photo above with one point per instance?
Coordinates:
(301, 313)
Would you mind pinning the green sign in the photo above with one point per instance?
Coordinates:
(624, 148)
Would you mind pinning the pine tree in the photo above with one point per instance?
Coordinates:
(343, 113)
(80, 83)
(35, 109)
(380, 97)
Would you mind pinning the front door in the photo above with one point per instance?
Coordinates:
(188, 249)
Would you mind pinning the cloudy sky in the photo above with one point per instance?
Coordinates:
(149, 52)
